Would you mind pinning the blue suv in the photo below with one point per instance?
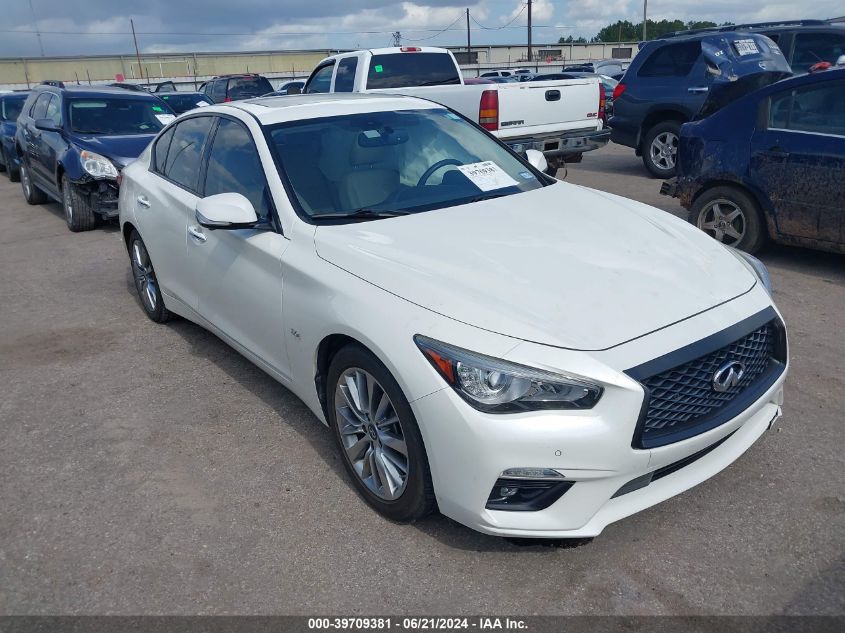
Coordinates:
(769, 165)
(72, 142)
(10, 108)
(669, 80)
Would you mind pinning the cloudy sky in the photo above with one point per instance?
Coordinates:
(78, 27)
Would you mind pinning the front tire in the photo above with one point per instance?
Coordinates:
(730, 216)
(31, 193)
(146, 282)
(660, 149)
(12, 170)
(377, 435)
(79, 214)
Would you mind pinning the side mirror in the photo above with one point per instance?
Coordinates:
(537, 160)
(293, 90)
(226, 211)
(48, 125)
(840, 61)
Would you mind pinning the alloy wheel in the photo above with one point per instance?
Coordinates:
(664, 149)
(371, 433)
(723, 220)
(67, 199)
(145, 278)
(27, 185)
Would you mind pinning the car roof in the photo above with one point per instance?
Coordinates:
(271, 110)
(830, 74)
(757, 27)
(96, 91)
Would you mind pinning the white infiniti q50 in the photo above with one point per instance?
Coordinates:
(531, 357)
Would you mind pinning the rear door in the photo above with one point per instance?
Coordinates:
(238, 274)
(807, 132)
(166, 201)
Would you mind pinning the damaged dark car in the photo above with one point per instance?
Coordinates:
(769, 165)
(72, 143)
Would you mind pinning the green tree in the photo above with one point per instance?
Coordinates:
(626, 31)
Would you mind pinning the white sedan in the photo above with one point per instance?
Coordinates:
(531, 357)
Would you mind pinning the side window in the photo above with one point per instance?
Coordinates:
(819, 109)
(218, 90)
(345, 78)
(811, 48)
(160, 151)
(54, 110)
(234, 166)
(673, 60)
(39, 109)
(185, 153)
(321, 80)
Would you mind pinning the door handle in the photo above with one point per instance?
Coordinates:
(552, 95)
(143, 201)
(698, 89)
(197, 234)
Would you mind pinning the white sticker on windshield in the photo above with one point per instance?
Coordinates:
(371, 133)
(164, 119)
(487, 175)
(201, 104)
(746, 47)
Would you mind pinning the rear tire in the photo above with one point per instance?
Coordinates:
(146, 282)
(660, 149)
(12, 170)
(79, 214)
(730, 216)
(31, 193)
(378, 444)
(4, 162)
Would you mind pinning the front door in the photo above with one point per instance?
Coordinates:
(238, 273)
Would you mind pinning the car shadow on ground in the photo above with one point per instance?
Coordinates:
(109, 226)
(296, 415)
(823, 265)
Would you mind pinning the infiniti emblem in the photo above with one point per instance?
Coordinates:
(728, 375)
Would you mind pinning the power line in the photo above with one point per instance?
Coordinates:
(422, 39)
(499, 28)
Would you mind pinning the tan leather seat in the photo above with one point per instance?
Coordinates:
(372, 176)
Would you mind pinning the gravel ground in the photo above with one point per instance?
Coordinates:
(150, 469)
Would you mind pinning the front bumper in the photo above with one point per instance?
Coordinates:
(469, 450)
(683, 189)
(560, 145)
(103, 197)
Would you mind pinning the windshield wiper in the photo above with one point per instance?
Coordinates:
(360, 214)
(489, 196)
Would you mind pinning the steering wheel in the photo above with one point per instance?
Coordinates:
(441, 163)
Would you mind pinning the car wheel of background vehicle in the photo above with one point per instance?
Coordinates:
(3, 161)
(79, 214)
(31, 193)
(146, 282)
(730, 216)
(660, 149)
(12, 170)
(378, 437)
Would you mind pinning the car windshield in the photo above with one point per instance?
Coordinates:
(243, 87)
(117, 117)
(12, 108)
(392, 163)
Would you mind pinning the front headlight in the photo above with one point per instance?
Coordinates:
(755, 266)
(498, 386)
(96, 165)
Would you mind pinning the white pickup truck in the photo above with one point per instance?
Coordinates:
(557, 117)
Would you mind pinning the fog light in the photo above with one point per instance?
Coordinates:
(526, 495)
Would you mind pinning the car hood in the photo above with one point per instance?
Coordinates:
(121, 149)
(562, 265)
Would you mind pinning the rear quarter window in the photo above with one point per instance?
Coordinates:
(404, 70)
(672, 60)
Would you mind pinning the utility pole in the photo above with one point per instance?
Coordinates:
(397, 38)
(529, 31)
(137, 53)
(645, 13)
(37, 30)
(469, 44)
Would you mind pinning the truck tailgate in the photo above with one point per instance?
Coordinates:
(537, 106)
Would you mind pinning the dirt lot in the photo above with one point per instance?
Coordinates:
(150, 469)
